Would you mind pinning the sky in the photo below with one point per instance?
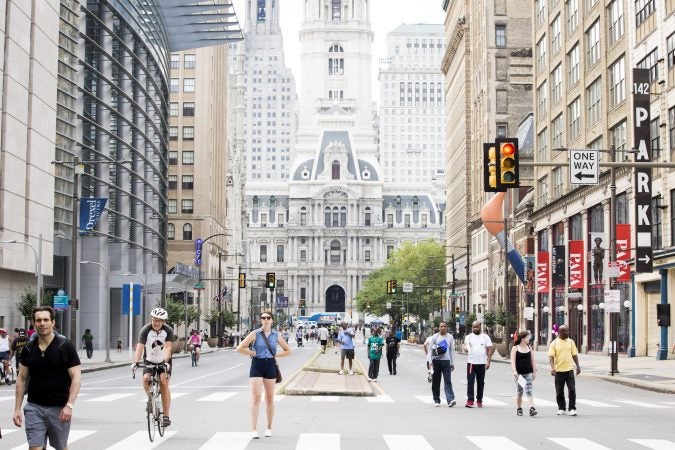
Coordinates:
(386, 15)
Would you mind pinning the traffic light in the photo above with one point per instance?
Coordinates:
(508, 167)
(388, 286)
(490, 169)
(271, 281)
(242, 280)
(393, 286)
(443, 302)
(302, 303)
(457, 312)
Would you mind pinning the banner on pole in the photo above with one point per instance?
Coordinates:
(91, 209)
(542, 273)
(576, 264)
(126, 293)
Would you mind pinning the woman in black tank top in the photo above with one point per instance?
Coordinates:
(524, 369)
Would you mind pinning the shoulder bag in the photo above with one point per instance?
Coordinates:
(276, 366)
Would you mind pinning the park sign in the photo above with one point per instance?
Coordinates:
(643, 175)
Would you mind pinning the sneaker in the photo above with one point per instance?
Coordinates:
(469, 404)
(166, 421)
(351, 372)
(369, 379)
(533, 412)
(561, 412)
(430, 377)
(437, 405)
(341, 372)
(374, 380)
(255, 435)
(573, 412)
(451, 403)
(479, 403)
(519, 412)
(268, 433)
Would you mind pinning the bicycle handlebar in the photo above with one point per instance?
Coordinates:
(148, 365)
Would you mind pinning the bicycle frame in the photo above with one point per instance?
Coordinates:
(154, 412)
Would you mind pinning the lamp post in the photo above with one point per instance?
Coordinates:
(107, 308)
(38, 263)
(580, 309)
(547, 311)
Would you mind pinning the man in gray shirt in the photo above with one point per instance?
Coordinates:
(441, 352)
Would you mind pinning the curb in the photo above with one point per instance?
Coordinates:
(105, 366)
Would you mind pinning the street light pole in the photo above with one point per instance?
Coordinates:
(613, 319)
(38, 263)
(107, 308)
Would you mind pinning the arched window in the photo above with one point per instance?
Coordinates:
(367, 217)
(335, 252)
(343, 216)
(256, 200)
(398, 200)
(336, 217)
(416, 201)
(273, 201)
(187, 232)
(326, 216)
(336, 61)
(303, 216)
(171, 232)
(336, 170)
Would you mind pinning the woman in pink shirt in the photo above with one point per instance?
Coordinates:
(196, 343)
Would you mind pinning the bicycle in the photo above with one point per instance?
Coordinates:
(193, 355)
(8, 376)
(154, 406)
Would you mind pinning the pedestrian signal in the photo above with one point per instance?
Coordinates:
(242, 280)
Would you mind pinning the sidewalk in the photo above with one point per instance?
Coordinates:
(319, 376)
(642, 372)
(121, 359)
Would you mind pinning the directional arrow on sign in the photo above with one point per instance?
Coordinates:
(580, 176)
(646, 259)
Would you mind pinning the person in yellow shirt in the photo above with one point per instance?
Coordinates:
(562, 354)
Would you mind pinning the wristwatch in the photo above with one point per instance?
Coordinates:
(70, 405)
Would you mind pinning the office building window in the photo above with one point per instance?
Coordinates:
(335, 170)
(615, 19)
(542, 191)
(657, 222)
(502, 130)
(367, 255)
(188, 158)
(190, 61)
(390, 220)
(574, 118)
(572, 15)
(173, 158)
(670, 46)
(500, 35)
(303, 255)
(672, 219)
(263, 253)
(540, 7)
(173, 109)
(573, 65)
(541, 54)
(594, 101)
(643, 9)
(172, 206)
(557, 182)
(335, 252)
(175, 61)
(671, 137)
(556, 88)
(171, 232)
(173, 181)
(651, 62)
(617, 136)
(187, 232)
(188, 84)
(174, 85)
(590, 4)
(542, 94)
(367, 218)
(188, 109)
(280, 253)
(303, 219)
(390, 250)
(173, 133)
(186, 206)
(542, 145)
(593, 43)
(188, 133)
(187, 182)
(655, 133)
(617, 82)
(555, 35)
(557, 129)
(336, 62)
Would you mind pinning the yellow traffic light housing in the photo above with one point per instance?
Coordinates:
(388, 286)
(508, 166)
(271, 280)
(242, 280)
(491, 168)
(393, 286)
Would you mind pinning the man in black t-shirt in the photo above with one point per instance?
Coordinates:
(54, 369)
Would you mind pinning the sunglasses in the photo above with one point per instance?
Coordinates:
(266, 317)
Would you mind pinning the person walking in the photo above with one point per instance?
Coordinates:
(425, 347)
(562, 355)
(441, 351)
(262, 345)
(88, 340)
(298, 336)
(323, 338)
(52, 363)
(375, 344)
(346, 340)
(524, 369)
(393, 344)
(478, 347)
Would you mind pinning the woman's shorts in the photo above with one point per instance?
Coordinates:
(528, 385)
(263, 368)
(324, 342)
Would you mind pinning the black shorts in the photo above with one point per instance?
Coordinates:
(324, 341)
(347, 353)
(149, 369)
(263, 368)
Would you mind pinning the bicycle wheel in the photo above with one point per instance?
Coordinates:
(159, 417)
(194, 358)
(151, 421)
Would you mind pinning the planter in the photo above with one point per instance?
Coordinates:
(212, 341)
(178, 346)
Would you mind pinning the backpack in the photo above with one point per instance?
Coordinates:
(439, 349)
(60, 340)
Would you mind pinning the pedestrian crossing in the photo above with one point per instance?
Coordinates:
(241, 440)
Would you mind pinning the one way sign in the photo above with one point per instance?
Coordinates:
(584, 167)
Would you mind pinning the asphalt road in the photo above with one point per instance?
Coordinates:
(210, 409)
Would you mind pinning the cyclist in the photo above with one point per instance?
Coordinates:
(17, 346)
(196, 343)
(5, 343)
(155, 342)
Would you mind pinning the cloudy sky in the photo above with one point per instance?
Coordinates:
(385, 16)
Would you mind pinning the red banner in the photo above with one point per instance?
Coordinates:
(623, 251)
(576, 265)
(543, 272)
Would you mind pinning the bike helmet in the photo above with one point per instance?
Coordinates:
(2, 330)
(159, 313)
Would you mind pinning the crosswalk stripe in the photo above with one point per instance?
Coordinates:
(9, 431)
(278, 398)
(406, 442)
(73, 436)
(487, 401)
(228, 441)
(655, 444)
(644, 404)
(595, 403)
(173, 395)
(6, 399)
(669, 403)
(140, 440)
(578, 444)
(491, 442)
(325, 398)
(380, 399)
(542, 402)
(428, 399)
(324, 441)
(109, 398)
(217, 397)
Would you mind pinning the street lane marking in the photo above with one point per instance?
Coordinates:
(655, 444)
(428, 399)
(492, 442)
(193, 379)
(4, 399)
(578, 444)
(644, 404)
(406, 442)
(173, 395)
(73, 436)
(140, 440)
(230, 440)
(380, 399)
(325, 398)
(109, 398)
(217, 397)
(542, 402)
(324, 441)
(278, 398)
(487, 401)
(595, 403)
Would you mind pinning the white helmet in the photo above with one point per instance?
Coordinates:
(159, 313)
